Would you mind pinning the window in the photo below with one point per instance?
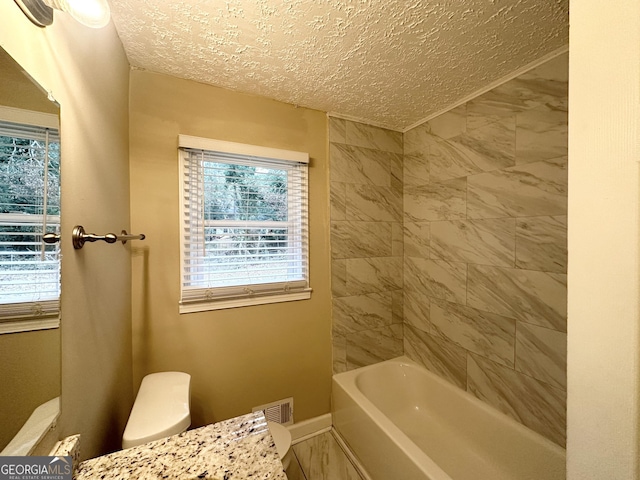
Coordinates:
(244, 225)
(29, 208)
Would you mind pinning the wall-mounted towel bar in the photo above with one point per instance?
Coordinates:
(79, 236)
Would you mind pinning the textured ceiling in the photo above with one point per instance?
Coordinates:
(388, 62)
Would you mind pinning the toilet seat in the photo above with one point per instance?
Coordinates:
(161, 408)
(282, 439)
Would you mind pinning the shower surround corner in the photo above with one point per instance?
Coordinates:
(366, 243)
(485, 247)
(449, 245)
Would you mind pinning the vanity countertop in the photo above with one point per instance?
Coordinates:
(235, 449)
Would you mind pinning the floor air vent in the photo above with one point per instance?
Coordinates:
(279, 412)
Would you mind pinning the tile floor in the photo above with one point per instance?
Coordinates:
(321, 458)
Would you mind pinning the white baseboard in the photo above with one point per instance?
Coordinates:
(301, 431)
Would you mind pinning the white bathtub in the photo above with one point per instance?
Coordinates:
(404, 423)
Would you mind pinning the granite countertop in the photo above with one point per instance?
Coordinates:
(235, 449)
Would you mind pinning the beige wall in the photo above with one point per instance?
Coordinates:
(88, 73)
(485, 232)
(30, 375)
(18, 91)
(243, 357)
(604, 241)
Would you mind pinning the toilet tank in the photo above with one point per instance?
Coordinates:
(161, 408)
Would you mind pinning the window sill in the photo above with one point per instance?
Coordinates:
(243, 302)
(18, 326)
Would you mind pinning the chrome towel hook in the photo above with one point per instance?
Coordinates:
(79, 236)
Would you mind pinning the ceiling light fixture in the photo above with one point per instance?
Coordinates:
(92, 13)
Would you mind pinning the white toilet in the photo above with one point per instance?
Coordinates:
(282, 438)
(161, 408)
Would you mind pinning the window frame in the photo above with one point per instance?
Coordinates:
(46, 314)
(198, 299)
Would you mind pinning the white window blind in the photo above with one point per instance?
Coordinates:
(29, 207)
(244, 225)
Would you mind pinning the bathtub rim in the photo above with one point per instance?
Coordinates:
(347, 381)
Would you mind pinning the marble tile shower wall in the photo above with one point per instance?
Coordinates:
(366, 243)
(485, 256)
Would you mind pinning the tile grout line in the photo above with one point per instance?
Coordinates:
(295, 456)
(350, 456)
